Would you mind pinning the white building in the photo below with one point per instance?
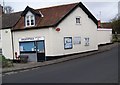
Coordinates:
(51, 32)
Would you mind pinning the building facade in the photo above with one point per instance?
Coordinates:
(52, 32)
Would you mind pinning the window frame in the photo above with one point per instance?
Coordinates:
(29, 19)
(28, 51)
(78, 22)
(68, 43)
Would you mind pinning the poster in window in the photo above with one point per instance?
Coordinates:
(77, 40)
(68, 42)
(21, 48)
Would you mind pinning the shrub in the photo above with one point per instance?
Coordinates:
(6, 62)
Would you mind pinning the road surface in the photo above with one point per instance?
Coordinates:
(98, 68)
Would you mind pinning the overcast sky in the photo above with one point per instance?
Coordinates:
(101, 9)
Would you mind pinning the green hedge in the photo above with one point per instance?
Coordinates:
(5, 62)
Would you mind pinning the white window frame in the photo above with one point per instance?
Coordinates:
(28, 18)
(68, 43)
(79, 20)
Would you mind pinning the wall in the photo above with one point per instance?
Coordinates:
(104, 36)
(54, 41)
(7, 43)
(69, 28)
(42, 32)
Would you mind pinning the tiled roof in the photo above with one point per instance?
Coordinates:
(52, 16)
(9, 20)
(106, 25)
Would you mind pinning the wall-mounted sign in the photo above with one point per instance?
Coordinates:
(77, 40)
(67, 42)
(57, 29)
(31, 39)
(87, 41)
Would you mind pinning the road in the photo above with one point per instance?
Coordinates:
(98, 68)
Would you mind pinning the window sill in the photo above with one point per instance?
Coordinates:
(30, 26)
(78, 23)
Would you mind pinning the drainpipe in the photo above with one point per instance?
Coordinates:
(12, 44)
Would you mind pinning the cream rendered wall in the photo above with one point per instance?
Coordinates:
(54, 41)
(7, 43)
(69, 28)
(104, 36)
(45, 32)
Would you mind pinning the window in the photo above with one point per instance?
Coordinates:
(77, 20)
(40, 46)
(30, 20)
(67, 42)
(27, 46)
(87, 41)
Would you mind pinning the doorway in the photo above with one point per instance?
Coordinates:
(40, 49)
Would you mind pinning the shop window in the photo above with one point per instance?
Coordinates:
(67, 42)
(27, 46)
(87, 41)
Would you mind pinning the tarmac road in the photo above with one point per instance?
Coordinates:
(98, 68)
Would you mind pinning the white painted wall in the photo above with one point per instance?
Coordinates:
(104, 35)
(54, 41)
(7, 43)
(69, 28)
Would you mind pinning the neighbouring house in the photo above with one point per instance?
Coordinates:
(1, 12)
(104, 32)
(51, 32)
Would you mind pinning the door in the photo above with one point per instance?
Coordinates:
(40, 50)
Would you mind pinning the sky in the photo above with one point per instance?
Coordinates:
(105, 10)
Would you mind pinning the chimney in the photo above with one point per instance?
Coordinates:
(1, 10)
(99, 24)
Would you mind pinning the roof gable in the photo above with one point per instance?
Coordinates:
(52, 15)
(31, 10)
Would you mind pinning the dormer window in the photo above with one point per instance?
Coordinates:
(30, 19)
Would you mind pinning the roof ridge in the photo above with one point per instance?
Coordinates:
(44, 8)
(57, 6)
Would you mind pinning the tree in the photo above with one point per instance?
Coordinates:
(116, 25)
(8, 9)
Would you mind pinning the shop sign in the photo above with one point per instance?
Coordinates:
(31, 39)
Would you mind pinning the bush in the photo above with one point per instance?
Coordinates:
(116, 38)
(6, 62)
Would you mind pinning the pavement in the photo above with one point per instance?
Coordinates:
(31, 65)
